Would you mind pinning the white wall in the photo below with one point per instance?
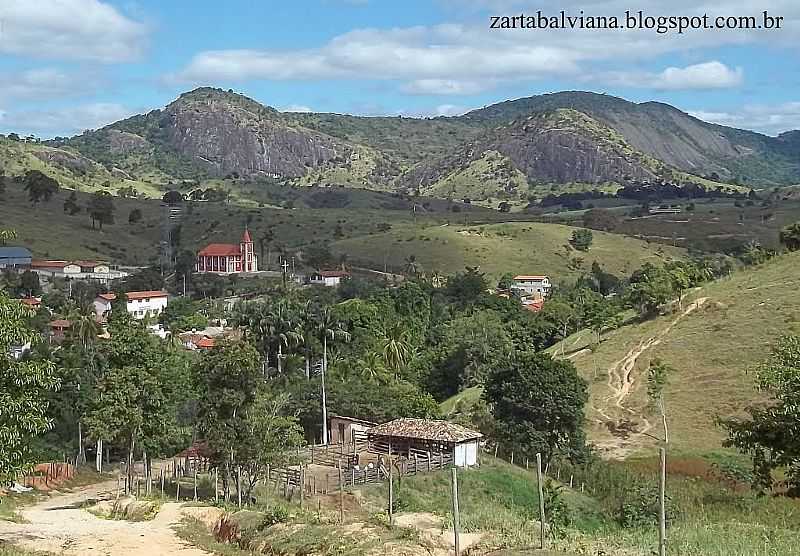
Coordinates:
(153, 306)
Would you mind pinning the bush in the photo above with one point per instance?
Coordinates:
(640, 506)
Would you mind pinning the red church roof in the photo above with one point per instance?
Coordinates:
(220, 250)
(246, 237)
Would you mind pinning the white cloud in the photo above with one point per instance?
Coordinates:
(449, 110)
(44, 83)
(707, 75)
(447, 86)
(440, 57)
(468, 57)
(296, 108)
(69, 30)
(63, 121)
(769, 119)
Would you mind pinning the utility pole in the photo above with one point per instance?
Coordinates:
(455, 511)
(662, 513)
(285, 267)
(541, 499)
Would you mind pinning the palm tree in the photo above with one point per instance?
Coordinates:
(286, 328)
(328, 328)
(371, 366)
(412, 266)
(396, 347)
(6, 235)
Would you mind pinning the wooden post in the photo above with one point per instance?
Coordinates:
(341, 494)
(178, 489)
(312, 451)
(391, 496)
(162, 482)
(571, 476)
(495, 449)
(302, 485)
(526, 463)
(541, 499)
(662, 510)
(216, 484)
(429, 461)
(195, 484)
(455, 511)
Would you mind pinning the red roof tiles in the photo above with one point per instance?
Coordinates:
(145, 294)
(219, 250)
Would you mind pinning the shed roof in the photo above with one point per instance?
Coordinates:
(530, 277)
(425, 429)
(352, 420)
(145, 294)
(14, 253)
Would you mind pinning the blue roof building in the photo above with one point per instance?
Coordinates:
(11, 257)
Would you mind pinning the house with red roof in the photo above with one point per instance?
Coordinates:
(228, 258)
(531, 285)
(139, 304)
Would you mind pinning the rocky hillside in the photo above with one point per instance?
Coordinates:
(508, 150)
(560, 146)
(670, 135)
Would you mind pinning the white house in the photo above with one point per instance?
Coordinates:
(331, 278)
(139, 304)
(525, 285)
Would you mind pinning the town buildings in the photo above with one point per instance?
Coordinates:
(78, 270)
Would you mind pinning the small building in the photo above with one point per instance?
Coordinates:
(525, 285)
(18, 351)
(59, 329)
(329, 278)
(343, 430)
(32, 302)
(139, 304)
(413, 436)
(227, 258)
(15, 257)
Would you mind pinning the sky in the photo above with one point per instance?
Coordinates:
(71, 65)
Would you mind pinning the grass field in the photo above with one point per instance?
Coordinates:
(711, 349)
(350, 220)
(516, 247)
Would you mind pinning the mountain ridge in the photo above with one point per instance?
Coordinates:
(209, 133)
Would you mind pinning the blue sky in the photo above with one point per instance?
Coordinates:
(70, 65)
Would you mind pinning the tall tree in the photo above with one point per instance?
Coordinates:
(538, 403)
(7, 235)
(790, 237)
(101, 209)
(71, 205)
(24, 384)
(40, 186)
(329, 329)
(138, 390)
(770, 435)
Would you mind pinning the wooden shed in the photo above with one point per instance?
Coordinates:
(345, 430)
(411, 437)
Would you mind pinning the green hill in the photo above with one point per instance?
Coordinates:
(722, 330)
(516, 247)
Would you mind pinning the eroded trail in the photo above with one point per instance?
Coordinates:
(60, 525)
(626, 424)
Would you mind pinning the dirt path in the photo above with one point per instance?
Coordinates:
(625, 430)
(59, 525)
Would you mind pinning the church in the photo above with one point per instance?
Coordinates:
(227, 258)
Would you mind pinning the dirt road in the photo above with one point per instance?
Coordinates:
(60, 526)
(626, 433)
